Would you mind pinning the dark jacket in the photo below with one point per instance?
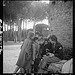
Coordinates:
(58, 50)
(46, 46)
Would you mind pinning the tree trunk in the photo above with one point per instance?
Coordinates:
(23, 24)
(34, 26)
(19, 30)
(50, 26)
(26, 27)
(15, 37)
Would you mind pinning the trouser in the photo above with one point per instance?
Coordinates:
(36, 63)
(47, 60)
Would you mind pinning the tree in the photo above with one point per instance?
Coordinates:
(13, 11)
(37, 11)
(33, 10)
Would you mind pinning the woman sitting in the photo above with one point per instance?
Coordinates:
(56, 53)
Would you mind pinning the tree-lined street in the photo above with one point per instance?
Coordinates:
(17, 17)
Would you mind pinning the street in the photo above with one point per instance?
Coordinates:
(10, 56)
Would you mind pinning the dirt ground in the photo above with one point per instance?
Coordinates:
(10, 56)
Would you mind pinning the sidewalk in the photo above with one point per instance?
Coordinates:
(10, 57)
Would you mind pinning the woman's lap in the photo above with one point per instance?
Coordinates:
(51, 59)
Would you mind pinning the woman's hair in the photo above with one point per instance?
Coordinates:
(53, 38)
(30, 34)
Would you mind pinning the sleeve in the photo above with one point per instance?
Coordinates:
(24, 46)
(59, 52)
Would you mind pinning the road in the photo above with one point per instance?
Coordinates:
(10, 56)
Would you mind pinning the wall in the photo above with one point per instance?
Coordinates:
(61, 22)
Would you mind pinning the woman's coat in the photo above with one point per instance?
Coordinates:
(25, 57)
